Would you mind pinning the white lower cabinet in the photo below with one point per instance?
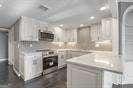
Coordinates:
(110, 78)
(88, 77)
(78, 77)
(61, 59)
(31, 65)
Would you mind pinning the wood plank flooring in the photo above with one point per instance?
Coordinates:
(8, 79)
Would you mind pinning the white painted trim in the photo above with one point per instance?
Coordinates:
(4, 29)
(1, 60)
(124, 0)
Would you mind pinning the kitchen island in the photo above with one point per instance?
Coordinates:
(98, 69)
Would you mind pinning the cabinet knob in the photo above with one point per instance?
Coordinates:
(34, 62)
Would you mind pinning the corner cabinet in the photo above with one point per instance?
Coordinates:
(30, 65)
(71, 35)
(28, 29)
(65, 35)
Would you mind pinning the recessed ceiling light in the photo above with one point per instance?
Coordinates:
(81, 25)
(61, 25)
(92, 17)
(103, 8)
(0, 5)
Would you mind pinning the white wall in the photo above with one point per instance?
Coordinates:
(3, 45)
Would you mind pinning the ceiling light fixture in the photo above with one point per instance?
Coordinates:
(0, 5)
(104, 7)
(61, 25)
(92, 17)
(81, 25)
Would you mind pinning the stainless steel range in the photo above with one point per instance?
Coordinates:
(50, 61)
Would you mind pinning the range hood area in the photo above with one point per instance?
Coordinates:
(46, 36)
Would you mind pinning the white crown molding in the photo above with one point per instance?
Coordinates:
(124, 0)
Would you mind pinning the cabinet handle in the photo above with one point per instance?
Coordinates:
(34, 62)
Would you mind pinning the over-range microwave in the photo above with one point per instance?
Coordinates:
(46, 36)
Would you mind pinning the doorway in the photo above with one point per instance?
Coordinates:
(3, 58)
(3, 46)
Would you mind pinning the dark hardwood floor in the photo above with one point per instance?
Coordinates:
(8, 79)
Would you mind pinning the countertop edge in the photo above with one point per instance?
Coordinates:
(98, 68)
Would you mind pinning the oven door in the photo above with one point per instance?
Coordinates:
(49, 62)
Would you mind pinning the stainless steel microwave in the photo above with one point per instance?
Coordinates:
(46, 36)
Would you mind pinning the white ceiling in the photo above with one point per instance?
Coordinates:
(67, 12)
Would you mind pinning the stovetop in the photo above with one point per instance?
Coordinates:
(47, 52)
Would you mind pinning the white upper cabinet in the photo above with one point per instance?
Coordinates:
(59, 34)
(84, 35)
(65, 35)
(106, 29)
(71, 35)
(28, 29)
(102, 31)
(95, 32)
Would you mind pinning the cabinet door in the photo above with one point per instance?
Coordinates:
(28, 67)
(78, 78)
(111, 78)
(39, 64)
(61, 59)
(59, 35)
(107, 29)
(28, 30)
(68, 54)
(71, 35)
(75, 35)
(21, 63)
(35, 68)
(33, 65)
(34, 30)
(84, 35)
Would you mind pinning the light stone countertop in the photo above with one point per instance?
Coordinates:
(102, 60)
(74, 50)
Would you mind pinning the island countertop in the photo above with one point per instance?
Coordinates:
(102, 60)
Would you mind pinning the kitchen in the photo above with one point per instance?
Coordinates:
(66, 44)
